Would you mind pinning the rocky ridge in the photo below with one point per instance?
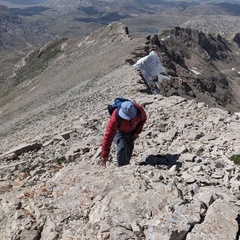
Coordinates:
(226, 26)
(180, 184)
(202, 66)
(51, 80)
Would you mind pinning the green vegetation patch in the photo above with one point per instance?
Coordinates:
(235, 158)
(164, 117)
(179, 48)
(165, 33)
(60, 160)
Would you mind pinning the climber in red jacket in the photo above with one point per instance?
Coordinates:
(124, 126)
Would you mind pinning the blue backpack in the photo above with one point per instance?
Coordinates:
(117, 104)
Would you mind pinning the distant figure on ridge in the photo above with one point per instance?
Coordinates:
(125, 125)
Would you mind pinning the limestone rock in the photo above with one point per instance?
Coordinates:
(220, 223)
(180, 183)
(24, 147)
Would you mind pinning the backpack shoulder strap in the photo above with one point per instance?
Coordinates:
(119, 119)
(138, 111)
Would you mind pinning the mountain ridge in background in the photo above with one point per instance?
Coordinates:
(183, 180)
(212, 50)
(55, 69)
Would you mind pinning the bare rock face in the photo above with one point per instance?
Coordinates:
(215, 218)
(18, 150)
(200, 66)
(227, 26)
(237, 39)
(215, 47)
(180, 184)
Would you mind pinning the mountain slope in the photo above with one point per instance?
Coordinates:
(18, 36)
(226, 26)
(200, 67)
(16, 33)
(203, 66)
(72, 66)
(181, 183)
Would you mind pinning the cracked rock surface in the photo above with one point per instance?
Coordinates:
(180, 183)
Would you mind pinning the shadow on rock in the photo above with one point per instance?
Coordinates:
(166, 160)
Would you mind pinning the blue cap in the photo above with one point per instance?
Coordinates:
(127, 110)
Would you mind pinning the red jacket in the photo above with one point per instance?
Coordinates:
(135, 125)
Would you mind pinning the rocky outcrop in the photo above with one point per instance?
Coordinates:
(18, 150)
(237, 39)
(180, 183)
(189, 57)
(180, 175)
(226, 25)
(216, 47)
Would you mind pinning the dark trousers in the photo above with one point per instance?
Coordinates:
(125, 145)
